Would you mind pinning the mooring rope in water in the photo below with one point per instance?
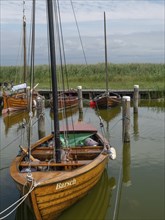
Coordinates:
(117, 193)
(19, 201)
(15, 139)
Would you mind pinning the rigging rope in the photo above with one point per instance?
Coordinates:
(78, 32)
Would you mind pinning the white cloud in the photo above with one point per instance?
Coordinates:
(86, 10)
(128, 22)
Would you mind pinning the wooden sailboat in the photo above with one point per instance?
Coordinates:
(17, 101)
(107, 99)
(18, 98)
(61, 168)
(66, 100)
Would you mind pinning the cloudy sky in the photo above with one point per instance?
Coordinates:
(135, 30)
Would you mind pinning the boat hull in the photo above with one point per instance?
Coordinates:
(17, 102)
(55, 193)
(14, 103)
(107, 101)
(67, 103)
(66, 100)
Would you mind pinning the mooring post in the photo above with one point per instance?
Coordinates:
(126, 118)
(135, 126)
(28, 97)
(41, 116)
(126, 164)
(136, 98)
(80, 100)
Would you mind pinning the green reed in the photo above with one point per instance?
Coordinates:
(120, 76)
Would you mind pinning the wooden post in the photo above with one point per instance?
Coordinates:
(80, 103)
(28, 98)
(40, 105)
(136, 98)
(126, 118)
(41, 116)
(126, 164)
(135, 127)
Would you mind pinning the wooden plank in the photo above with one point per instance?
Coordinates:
(53, 164)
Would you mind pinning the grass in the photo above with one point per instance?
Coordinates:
(120, 76)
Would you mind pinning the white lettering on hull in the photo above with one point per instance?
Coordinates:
(65, 184)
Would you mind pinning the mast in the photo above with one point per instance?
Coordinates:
(33, 45)
(24, 42)
(31, 75)
(54, 80)
(105, 39)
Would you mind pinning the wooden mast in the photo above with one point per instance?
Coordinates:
(24, 42)
(31, 76)
(105, 39)
(54, 80)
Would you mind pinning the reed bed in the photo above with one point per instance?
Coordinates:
(120, 76)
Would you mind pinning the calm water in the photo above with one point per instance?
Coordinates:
(132, 186)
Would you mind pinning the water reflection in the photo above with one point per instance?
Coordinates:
(67, 113)
(20, 118)
(14, 118)
(141, 163)
(154, 105)
(24, 212)
(136, 126)
(126, 164)
(95, 204)
(108, 114)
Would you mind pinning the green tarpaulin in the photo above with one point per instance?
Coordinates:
(72, 140)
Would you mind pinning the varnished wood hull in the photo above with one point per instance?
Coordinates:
(48, 200)
(94, 206)
(53, 201)
(56, 190)
(17, 102)
(107, 101)
(69, 102)
(14, 103)
(66, 103)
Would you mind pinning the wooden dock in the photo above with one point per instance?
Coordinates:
(86, 93)
(143, 93)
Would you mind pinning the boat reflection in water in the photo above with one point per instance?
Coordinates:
(13, 118)
(20, 118)
(108, 114)
(64, 114)
(93, 206)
